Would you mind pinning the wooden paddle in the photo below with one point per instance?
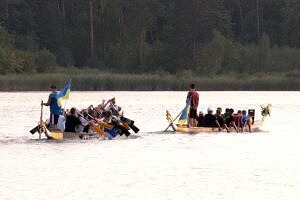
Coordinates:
(94, 127)
(130, 124)
(122, 126)
(103, 124)
(98, 130)
(34, 130)
(41, 121)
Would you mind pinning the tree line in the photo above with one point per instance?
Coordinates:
(205, 37)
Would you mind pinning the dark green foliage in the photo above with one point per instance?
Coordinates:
(45, 61)
(200, 37)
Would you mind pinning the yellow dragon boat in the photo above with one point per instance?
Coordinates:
(98, 129)
(255, 127)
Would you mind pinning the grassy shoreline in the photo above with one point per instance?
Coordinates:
(99, 81)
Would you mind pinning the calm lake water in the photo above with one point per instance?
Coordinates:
(264, 165)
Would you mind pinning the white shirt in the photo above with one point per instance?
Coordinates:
(61, 123)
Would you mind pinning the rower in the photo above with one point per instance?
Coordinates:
(84, 126)
(220, 119)
(112, 106)
(246, 120)
(200, 120)
(72, 121)
(210, 120)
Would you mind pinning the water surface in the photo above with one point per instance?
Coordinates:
(263, 165)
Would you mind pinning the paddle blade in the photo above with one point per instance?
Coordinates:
(106, 125)
(34, 130)
(128, 121)
(124, 130)
(134, 128)
(98, 130)
(125, 125)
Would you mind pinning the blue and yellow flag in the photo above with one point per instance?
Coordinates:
(64, 93)
(185, 113)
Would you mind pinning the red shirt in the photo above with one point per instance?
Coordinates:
(237, 119)
(194, 97)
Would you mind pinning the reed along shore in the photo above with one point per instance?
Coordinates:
(98, 81)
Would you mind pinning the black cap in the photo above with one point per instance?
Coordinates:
(53, 86)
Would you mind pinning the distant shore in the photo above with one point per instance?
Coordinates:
(98, 81)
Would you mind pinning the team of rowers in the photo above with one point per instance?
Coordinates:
(104, 119)
(88, 120)
(220, 120)
(229, 119)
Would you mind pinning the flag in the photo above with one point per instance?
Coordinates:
(64, 93)
(185, 113)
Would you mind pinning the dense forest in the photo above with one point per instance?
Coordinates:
(204, 37)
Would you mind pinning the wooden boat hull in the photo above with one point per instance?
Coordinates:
(184, 129)
(58, 135)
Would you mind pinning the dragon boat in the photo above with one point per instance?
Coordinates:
(97, 129)
(183, 128)
(101, 124)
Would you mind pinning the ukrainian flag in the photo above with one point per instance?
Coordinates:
(64, 94)
(185, 113)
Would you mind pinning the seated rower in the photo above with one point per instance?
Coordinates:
(61, 121)
(72, 121)
(228, 117)
(84, 126)
(101, 106)
(237, 118)
(200, 120)
(220, 119)
(106, 116)
(210, 120)
(92, 112)
(112, 106)
(246, 120)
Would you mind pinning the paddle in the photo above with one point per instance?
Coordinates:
(125, 122)
(171, 121)
(95, 128)
(105, 125)
(120, 127)
(123, 126)
(34, 130)
(41, 120)
(130, 124)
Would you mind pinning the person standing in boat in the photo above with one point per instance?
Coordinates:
(193, 97)
(55, 109)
